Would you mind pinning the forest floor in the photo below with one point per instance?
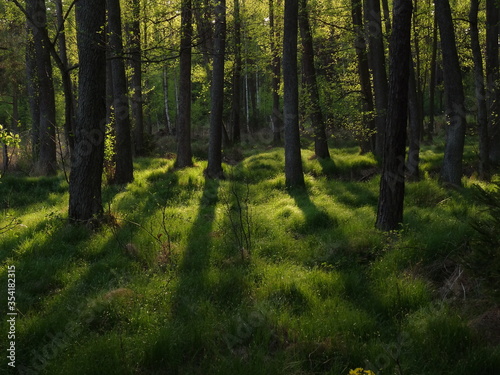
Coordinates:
(241, 276)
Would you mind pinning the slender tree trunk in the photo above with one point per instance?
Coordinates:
(214, 168)
(69, 99)
(134, 47)
(85, 202)
(413, 160)
(492, 78)
(293, 161)
(184, 153)
(392, 181)
(47, 162)
(33, 93)
(432, 83)
(276, 118)
(235, 126)
(202, 15)
(364, 75)
(168, 122)
(482, 117)
(124, 166)
(309, 71)
(451, 172)
(387, 15)
(377, 62)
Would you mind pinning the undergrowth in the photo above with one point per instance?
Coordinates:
(241, 276)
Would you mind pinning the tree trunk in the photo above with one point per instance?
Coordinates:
(392, 181)
(364, 75)
(214, 168)
(47, 163)
(235, 126)
(377, 63)
(276, 118)
(432, 83)
(482, 116)
(293, 161)
(85, 202)
(492, 78)
(451, 172)
(387, 16)
(124, 166)
(184, 153)
(202, 15)
(69, 99)
(33, 93)
(168, 122)
(413, 160)
(134, 47)
(309, 71)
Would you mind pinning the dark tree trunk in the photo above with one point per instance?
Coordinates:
(46, 164)
(451, 172)
(392, 181)
(432, 83)
(235, 126)
(309, 71)
(214, 168)
(364, 75)
(293, 161)
(85, 202)
(413, 160)
(134, 47)
(492, 78)
(377, 63)
(482, 116)
(124, 166)
(69, 99)
(276, 118)
(33, 93)
(184, 153)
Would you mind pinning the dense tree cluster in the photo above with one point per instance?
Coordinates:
(378, 72)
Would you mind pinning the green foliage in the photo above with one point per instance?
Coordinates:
(8, 138)
(484, 260)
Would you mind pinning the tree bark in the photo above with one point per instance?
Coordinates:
(492, 79)
(168, 122)
(432, 83)
(309, 71)
(69, 99)
(451, 172)
(482, 116)
(85, 202)
(364, 75)
(134, 47)
(413, 160)
(47, 163)
(214, 168)
(124, 172)
(392, 181)
(184, 153)
(377, 63)
(235, 126)
(294, 175)
(33, 93)
(276, 118)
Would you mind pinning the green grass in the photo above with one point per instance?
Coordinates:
(168, 291)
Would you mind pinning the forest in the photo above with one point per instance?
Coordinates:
(250, 187)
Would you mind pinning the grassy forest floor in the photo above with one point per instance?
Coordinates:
(241, 276)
